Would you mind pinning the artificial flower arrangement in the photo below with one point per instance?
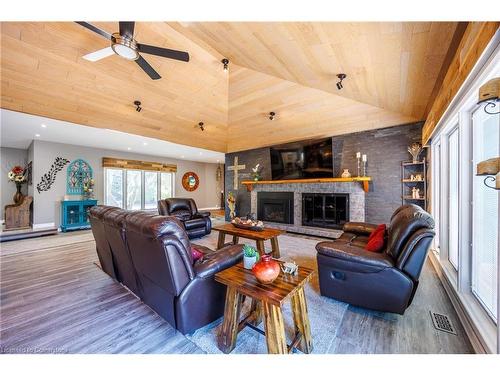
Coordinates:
(17, 175)
(88, 188)
(256, 172)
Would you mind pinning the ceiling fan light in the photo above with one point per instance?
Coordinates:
(125, 51)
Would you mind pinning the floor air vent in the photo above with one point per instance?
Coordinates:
(442, 323)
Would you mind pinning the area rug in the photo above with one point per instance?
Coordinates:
(325, 314)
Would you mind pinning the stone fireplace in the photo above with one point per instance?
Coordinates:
(353, 209)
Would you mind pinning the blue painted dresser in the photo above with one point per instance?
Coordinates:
(74, 214)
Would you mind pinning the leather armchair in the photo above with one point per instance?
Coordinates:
(385, 281)
(155, 252)
(197, 224)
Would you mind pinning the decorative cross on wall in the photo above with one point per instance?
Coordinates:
(235, 167)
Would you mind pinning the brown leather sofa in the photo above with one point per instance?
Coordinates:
(197, 224)
(151, 256)
(385, 281)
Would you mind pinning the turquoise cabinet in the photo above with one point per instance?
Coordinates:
(74, 214)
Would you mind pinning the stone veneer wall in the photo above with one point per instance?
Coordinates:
(385, 149)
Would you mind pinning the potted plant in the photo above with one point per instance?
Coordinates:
(250, 256)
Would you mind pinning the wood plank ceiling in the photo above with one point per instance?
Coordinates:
(288, 68)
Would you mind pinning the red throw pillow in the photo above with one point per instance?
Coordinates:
(379, 228)
(376, 240)
(197, 254)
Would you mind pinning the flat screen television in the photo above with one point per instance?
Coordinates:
(301, 160)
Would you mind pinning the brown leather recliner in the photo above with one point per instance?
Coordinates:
(185, 294)
(104, 254)
(385, 281)
(197, 224)
(114, 227)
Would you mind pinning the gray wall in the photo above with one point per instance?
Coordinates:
(385, 149)
(9, 158)
(47, 204)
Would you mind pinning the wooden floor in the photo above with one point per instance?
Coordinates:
(54, 299)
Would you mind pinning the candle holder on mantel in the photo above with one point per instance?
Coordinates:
(358, 158)
(364, 168)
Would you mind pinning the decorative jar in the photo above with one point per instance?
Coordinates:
(266, 270)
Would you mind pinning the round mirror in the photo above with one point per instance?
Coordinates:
(190, 181)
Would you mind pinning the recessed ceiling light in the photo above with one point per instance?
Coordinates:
(145, 143)
(218, 160)
(129, 148)
(201, 153)
(37, 135)
(44, 126)
(182, 156)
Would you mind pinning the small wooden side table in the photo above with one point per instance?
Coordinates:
(267, 302)
(259, 237)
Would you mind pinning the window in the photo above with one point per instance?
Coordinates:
(136, 189)
(486, 140)
(453, 222)
(114, 187)
(166, 186)
(150, 190)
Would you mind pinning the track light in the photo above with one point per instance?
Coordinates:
(341, 77)
(201, 126)
(138, 107)
(225, 62)
(272, 115)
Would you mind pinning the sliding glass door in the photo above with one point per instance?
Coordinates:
(486, 145)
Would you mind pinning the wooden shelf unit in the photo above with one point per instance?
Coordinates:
(408, 168)
(364, 181)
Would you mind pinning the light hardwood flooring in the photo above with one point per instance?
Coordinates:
(54, 299)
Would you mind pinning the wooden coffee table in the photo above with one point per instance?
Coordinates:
(267, 302)
(259, 237)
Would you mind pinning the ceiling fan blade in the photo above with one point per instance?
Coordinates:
(95, 29)
(98, 55)
(163, 52)
(147, 68)
(127, 29)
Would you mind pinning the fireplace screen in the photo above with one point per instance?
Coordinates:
(325, 210)
(275, 207)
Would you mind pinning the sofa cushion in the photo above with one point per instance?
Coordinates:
(379, 228)
(376, 240)
(197, 254)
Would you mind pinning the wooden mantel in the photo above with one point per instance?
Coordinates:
(363, 180)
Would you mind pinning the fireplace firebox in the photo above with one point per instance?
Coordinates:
(275, 206)
(325, 210)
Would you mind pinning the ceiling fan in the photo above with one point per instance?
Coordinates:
(124, 45)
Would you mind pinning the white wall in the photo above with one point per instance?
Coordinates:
(9, 158)
(46, 206)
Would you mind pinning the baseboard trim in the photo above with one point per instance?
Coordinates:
(43, 226)
(470, 330)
